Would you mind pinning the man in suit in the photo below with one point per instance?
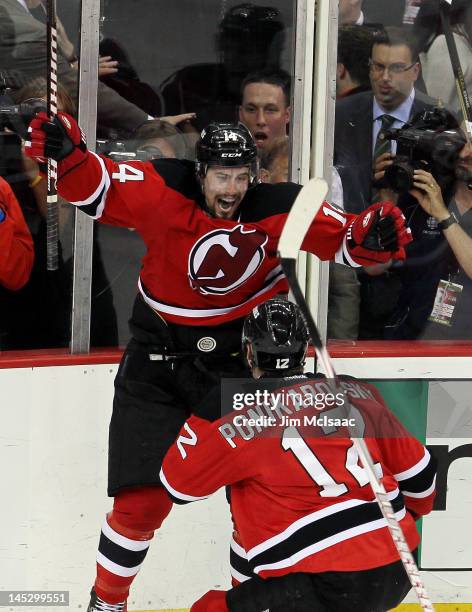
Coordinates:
(359, 156)
(394, 69)
(23, 45)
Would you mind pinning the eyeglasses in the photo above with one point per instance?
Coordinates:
(398, 68)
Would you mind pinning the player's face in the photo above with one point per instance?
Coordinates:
(392, 74)
(224, 188)
(464, 164)
(264, 112)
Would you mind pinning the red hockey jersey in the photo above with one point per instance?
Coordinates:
(16, 244)
(199, 270)
(304, 504)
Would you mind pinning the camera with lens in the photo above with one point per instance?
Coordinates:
(17, 117)
(431, 142)
(119, 151)
(14, 122)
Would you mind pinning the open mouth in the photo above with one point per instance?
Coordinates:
(260, 137)
(226, 205)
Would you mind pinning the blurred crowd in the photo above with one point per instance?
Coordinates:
(399, 136)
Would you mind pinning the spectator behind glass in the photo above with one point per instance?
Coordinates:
(250, 38)
(451, 313)
(435, 60)
(114, 69)
(125, 79)
(160, 139)
(23, 45)
(354, 50)
(265, 106)
(106, 65)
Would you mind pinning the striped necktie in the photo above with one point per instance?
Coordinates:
(381, 144)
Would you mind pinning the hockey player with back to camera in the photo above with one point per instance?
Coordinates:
(311, 536)
(211, 232)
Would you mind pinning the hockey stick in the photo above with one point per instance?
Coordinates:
(305, 208)
(444, 11)
(52, 217)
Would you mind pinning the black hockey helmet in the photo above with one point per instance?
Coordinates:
(252, 20)
(226, 144)
(278, 335)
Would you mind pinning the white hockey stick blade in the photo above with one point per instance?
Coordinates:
(302, 213)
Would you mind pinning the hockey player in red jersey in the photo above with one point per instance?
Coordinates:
(16, 244)
(311, 535)
(211, 233)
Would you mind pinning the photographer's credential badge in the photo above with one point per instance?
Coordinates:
(445, 302)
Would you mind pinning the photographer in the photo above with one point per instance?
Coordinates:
(450, 316)
(431, 143)
(361, 121)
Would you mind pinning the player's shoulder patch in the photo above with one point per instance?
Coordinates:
(266, 200)
(178, 175)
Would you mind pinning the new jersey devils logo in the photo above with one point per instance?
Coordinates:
(223, 260)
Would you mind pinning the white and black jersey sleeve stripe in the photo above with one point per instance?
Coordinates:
(419, 480)
(93, 206)
(240, 568)
(343, 256)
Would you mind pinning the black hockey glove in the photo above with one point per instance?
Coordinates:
(378, 235)
(60, 139)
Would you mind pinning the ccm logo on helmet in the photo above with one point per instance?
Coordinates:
(223, 260)
(231, 155)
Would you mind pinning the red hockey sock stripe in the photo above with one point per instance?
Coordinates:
(110, 587)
